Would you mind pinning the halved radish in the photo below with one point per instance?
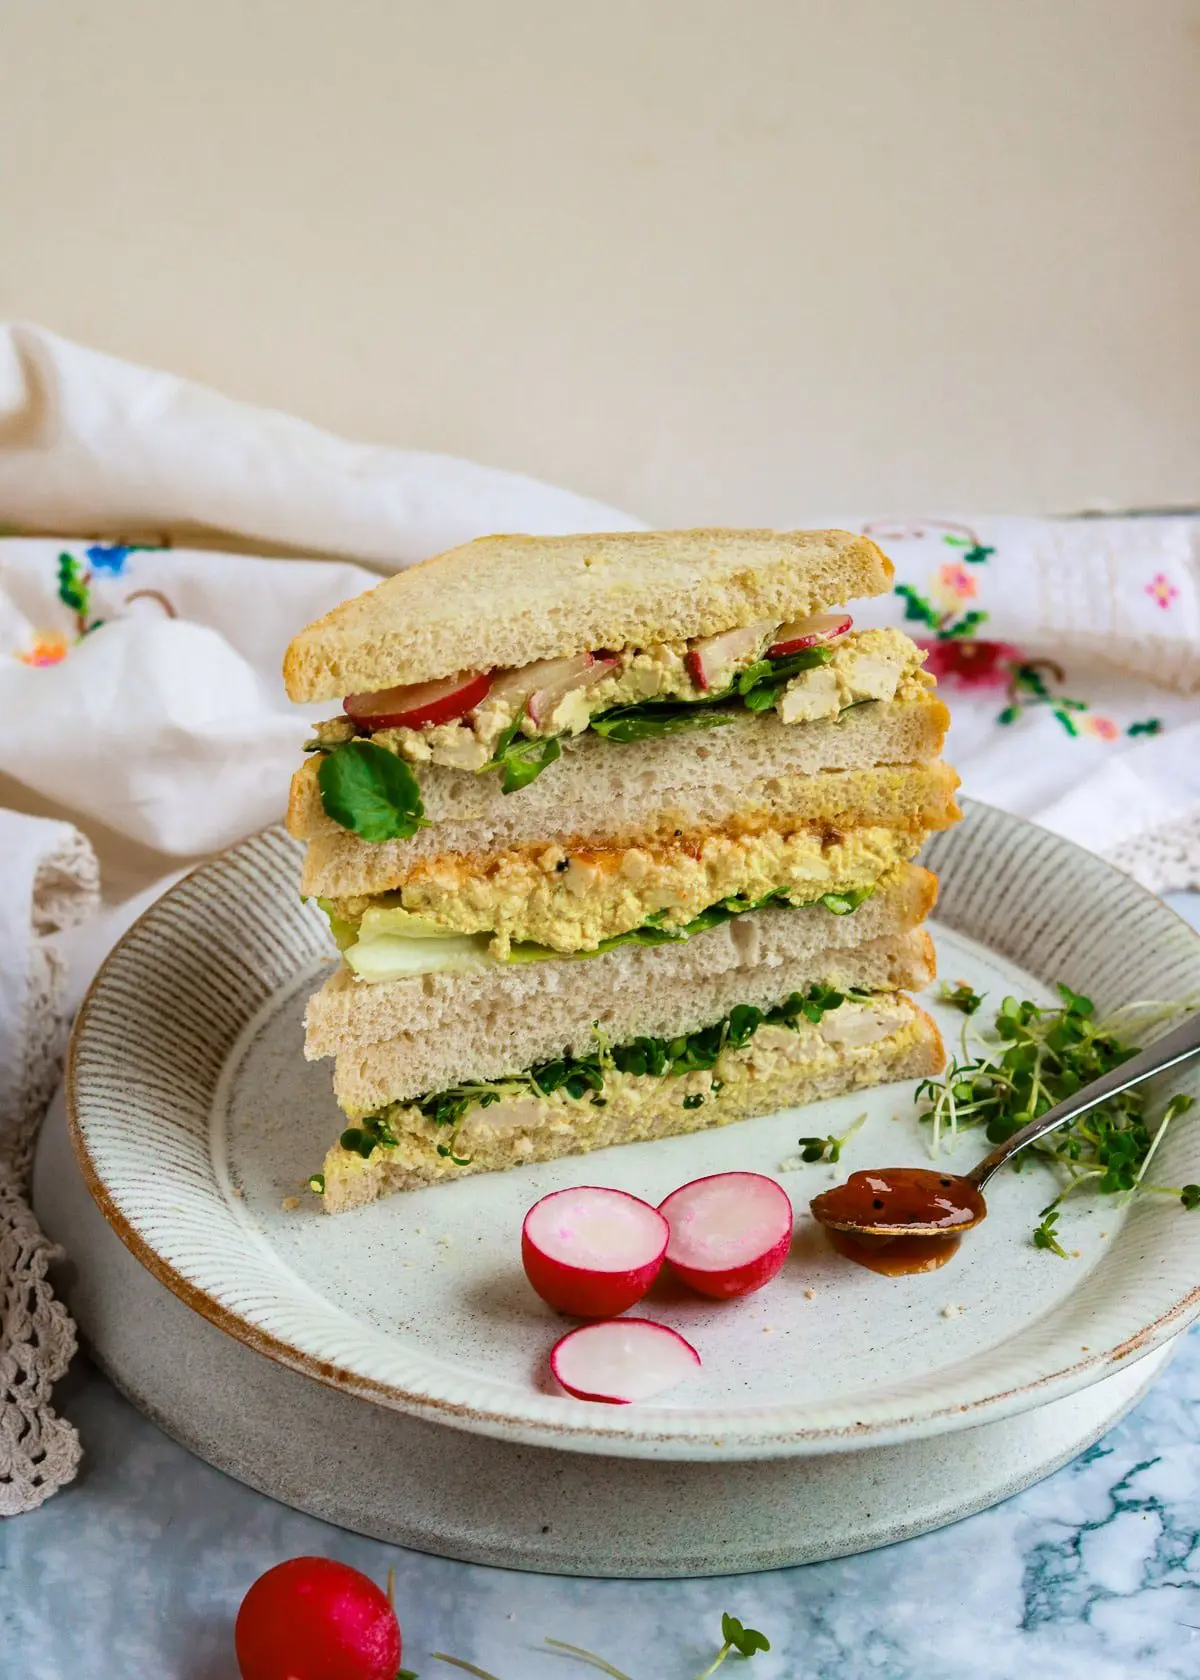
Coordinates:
(556, 678)
(419, 705)
(592, 1252)
(730, 1233)
(809, 632)
(622, 1360)
(711, 661)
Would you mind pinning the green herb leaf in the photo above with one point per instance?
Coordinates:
(407, 1674)
(743, 1639)
(1045, 1235)
(647, 720)
(371, 792)
(521, 759)
(761, 684)
(1190, 1196)
(844, 904)
(696, 1100)
(961, 996)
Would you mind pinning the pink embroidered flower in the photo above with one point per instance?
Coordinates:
(49, 647)
(953, 583)
(1161, 589)
(1103, 728)
(971, 664)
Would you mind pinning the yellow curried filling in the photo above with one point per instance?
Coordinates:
(864, 665)
(859, 1044)
(570, 902)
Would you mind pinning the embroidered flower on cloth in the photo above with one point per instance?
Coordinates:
(971, 664)
(49, 647)
(954, 583)
(1162, 590)
(1103, 728)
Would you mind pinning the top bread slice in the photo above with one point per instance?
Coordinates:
(505, 601)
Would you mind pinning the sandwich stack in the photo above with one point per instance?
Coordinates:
(615, 834)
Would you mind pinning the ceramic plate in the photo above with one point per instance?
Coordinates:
(196, 1121)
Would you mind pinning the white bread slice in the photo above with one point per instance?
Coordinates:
(634, 785)
(487, 1040)
(910, 797)
(815, 1071)
(348, 1014)
(508, 600)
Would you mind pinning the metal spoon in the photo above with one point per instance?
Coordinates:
(927, 1203)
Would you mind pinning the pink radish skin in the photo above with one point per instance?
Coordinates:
(730, 1233)
(813, 631)
(621, 1361)
(592, 1252)
(556, 678)
(711, 660)
(419, 705)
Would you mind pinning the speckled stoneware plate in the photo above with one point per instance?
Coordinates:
(195, 1117)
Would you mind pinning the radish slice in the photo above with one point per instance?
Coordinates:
(622, 1360)
(809, 632)
(419, 705)
(554, 679)
(730, 1233)
(592, 1252)
(711, 660)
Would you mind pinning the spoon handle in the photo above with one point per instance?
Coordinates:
(1167, 1052)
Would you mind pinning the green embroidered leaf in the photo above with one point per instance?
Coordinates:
(978, 553)
(73, 588)
(1067, 721)
(1010, 714)
(371, 792)
(916, 607)
(1149, 726)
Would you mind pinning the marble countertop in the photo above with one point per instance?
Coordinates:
(137, 1570)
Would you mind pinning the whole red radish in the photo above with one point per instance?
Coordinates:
(314, 1619)
(419, 705)
(592, 1252)
(730, 1233)
(622, 1360)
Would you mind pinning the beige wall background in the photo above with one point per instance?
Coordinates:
(739, 260)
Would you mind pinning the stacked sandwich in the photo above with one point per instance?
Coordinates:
(615, 836)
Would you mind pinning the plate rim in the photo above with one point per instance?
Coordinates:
(580, 1430)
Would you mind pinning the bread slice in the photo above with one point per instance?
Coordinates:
(636, 789)
(477, 1039)
(490, 1005)
(754, 1082)
(907, 797)
(508, 600)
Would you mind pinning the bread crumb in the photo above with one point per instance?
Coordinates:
(1076, 1254)
(952, 1309)
(445, 1240)
(237, 1191)
(418, 1230)
(810, 1294)
(792, 1163)
(767, 1329)
(1104, 1233)
(289, 1204)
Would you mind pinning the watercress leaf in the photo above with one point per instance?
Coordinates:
(371, 792)
(523, 761)
(649, 719)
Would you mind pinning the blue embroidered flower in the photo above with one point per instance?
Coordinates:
(110, 557)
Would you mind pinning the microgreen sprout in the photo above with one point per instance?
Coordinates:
(828, 1148)
(1034, 1057)
(745, 1641)
(960, 995)
(588, 1657)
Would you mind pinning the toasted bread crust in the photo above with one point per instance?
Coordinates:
(504, 601)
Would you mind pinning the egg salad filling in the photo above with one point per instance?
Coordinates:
(652, 1086)
(642, 693)
(583, 900)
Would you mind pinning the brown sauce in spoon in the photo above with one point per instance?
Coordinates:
(900, 1196)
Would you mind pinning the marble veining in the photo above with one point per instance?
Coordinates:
(1094, 1574)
